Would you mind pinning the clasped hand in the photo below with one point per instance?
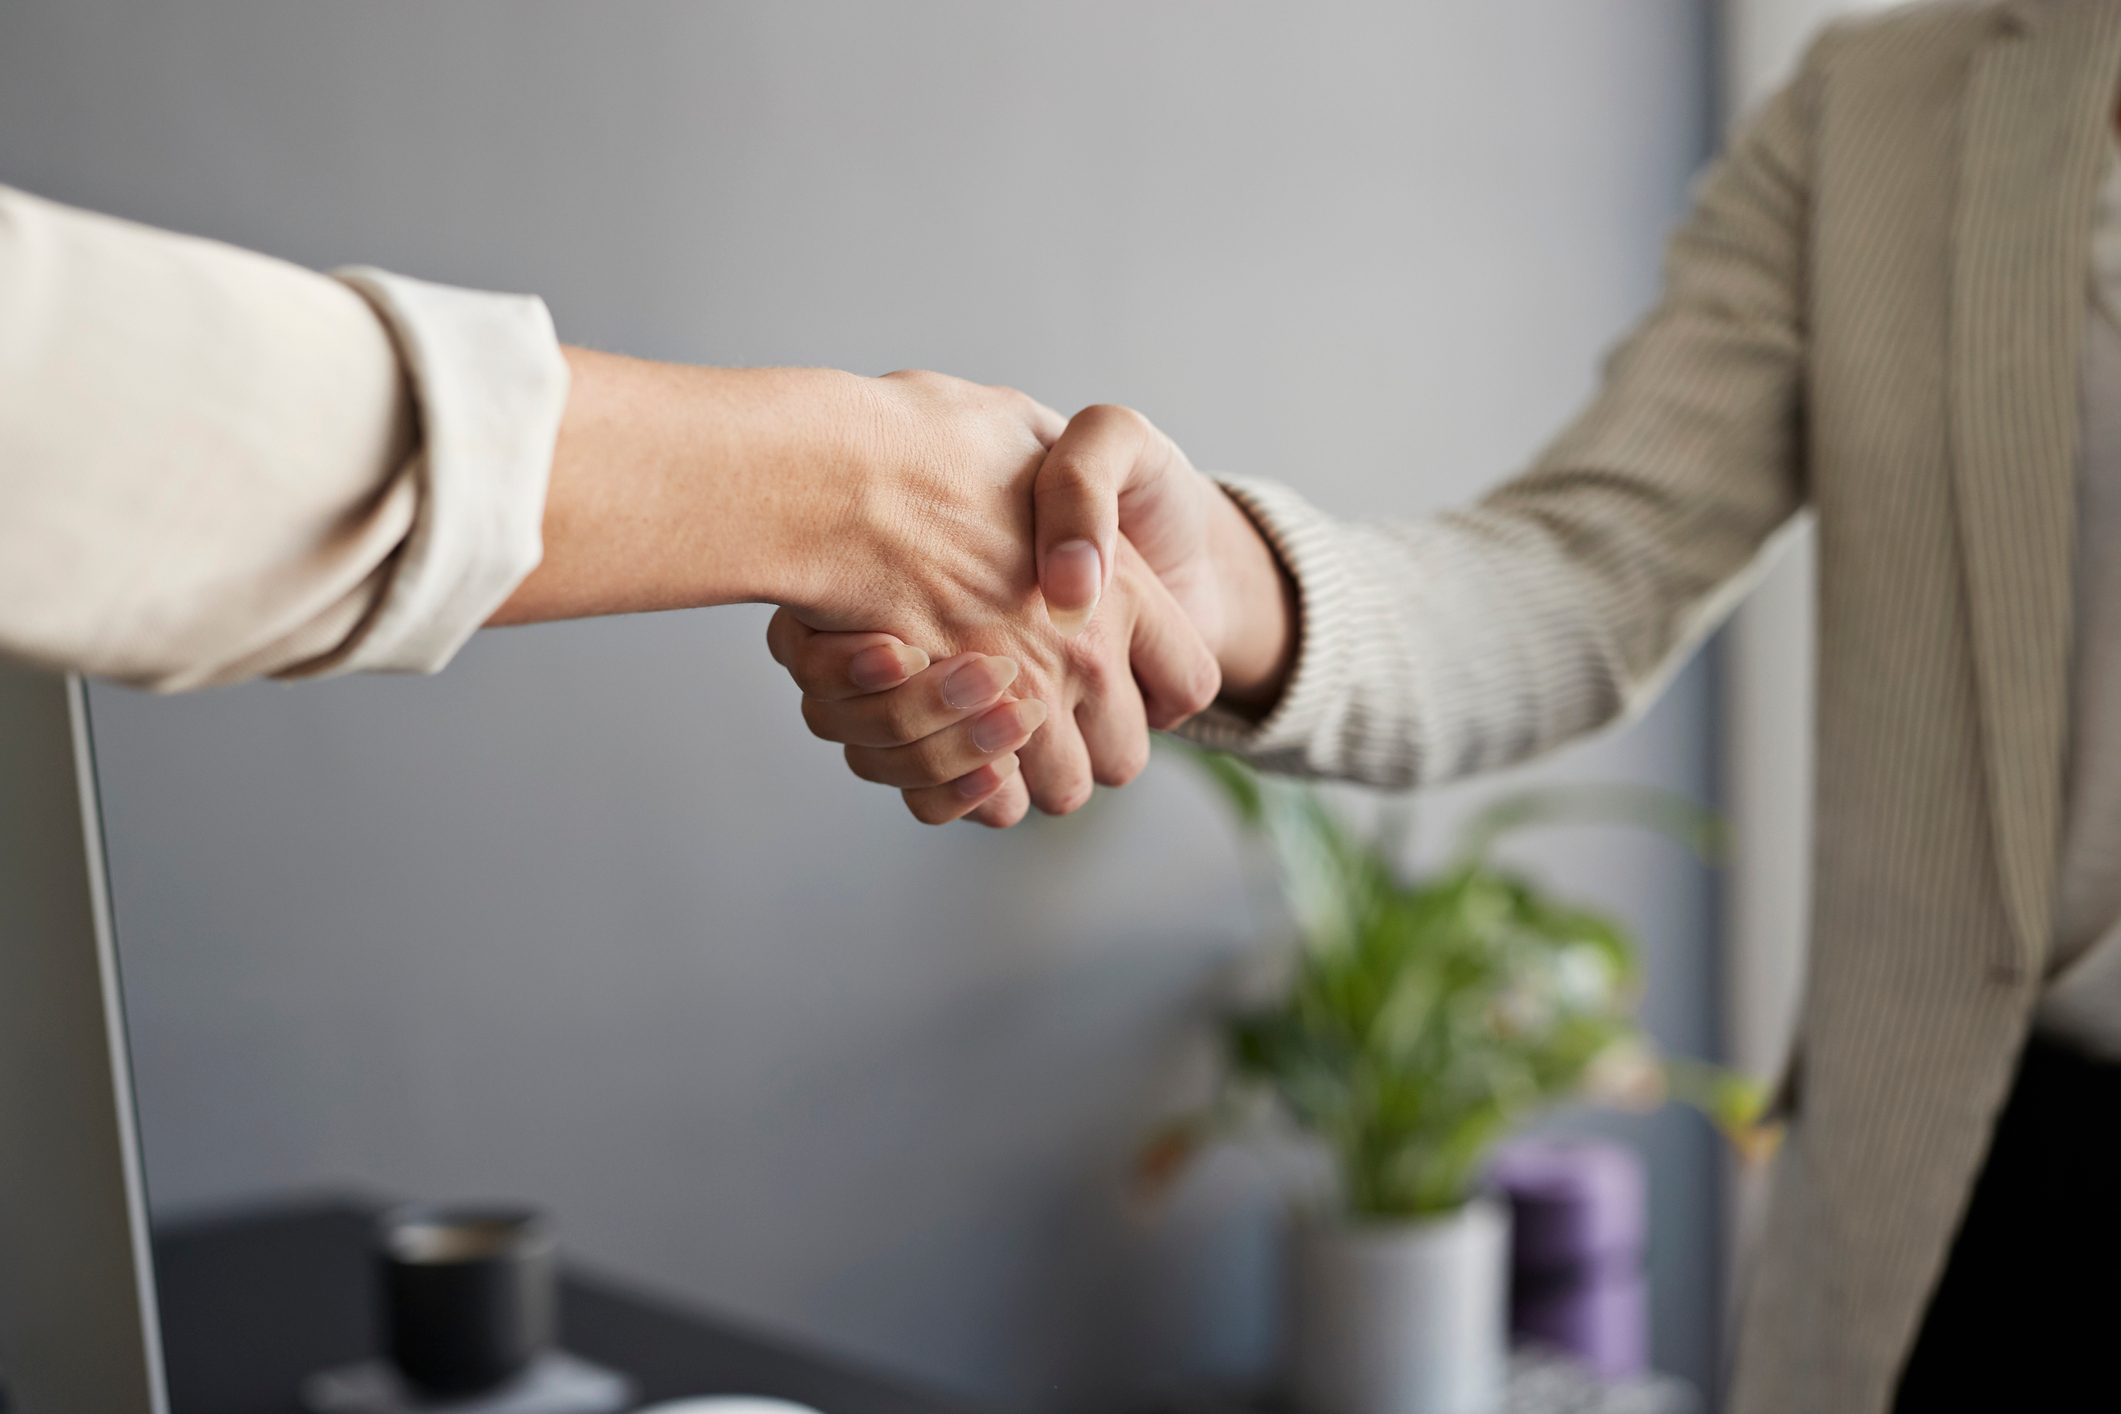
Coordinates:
(1059, 598)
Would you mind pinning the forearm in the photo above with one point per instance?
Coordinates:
(1432, 648)
(681, 487)
(216, 466)
(1469, 640)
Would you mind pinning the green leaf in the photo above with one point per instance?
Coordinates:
(1238, 781)
(1422, 1020)
(1663, 812)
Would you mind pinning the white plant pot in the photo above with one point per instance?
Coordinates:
(1401, 1318)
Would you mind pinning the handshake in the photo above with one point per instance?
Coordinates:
(990, 606)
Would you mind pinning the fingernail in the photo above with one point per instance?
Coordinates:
(1074, 579)
(978, 682)
(987, 778)
(1005, 726)
(885, 665)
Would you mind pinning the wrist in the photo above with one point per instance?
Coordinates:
(1256, 647)
(787, 459)
(677, 487)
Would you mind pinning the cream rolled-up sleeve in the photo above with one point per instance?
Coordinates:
(215, 465)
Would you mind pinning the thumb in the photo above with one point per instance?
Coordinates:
(1076, 508)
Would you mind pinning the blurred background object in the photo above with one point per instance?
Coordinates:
(1577, 1217)
(590, 917)
(1407, 1029)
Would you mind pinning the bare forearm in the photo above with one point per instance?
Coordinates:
(680, 487)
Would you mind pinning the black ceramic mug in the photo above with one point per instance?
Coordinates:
(468, 1295)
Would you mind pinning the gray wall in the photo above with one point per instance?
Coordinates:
(590, 917)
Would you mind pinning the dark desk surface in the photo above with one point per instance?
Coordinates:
(252, 1304)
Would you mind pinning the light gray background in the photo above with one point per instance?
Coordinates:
(590, 918)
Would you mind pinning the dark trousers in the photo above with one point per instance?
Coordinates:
(2028, 1314)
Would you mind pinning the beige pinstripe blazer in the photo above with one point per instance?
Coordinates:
(1874, 309)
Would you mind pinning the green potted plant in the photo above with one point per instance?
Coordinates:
(1412, 1026)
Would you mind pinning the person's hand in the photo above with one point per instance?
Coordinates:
(955, 523)
(1112, 473)
(961, 735)
(1112, 490)
(900, 503)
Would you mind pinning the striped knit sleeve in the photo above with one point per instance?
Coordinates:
(1468, 640)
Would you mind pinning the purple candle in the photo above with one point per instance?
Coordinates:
(1577, 1285)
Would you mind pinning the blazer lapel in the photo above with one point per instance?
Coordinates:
(2038, 113)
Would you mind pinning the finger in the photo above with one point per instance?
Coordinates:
(1046, 424)
(932, 701)
(785, 634)
(833, 667)
(1114, 728)
(1076, 503)
(1176, 673)
(1057, 767)
(939, 759)
(1006, 807)
(953, 800)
